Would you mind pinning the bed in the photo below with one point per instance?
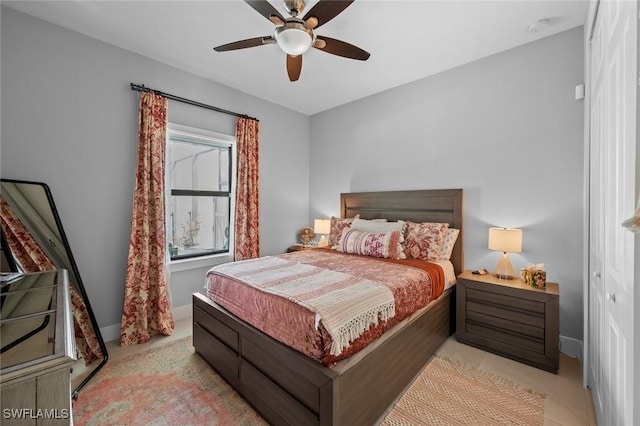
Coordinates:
(287, 387)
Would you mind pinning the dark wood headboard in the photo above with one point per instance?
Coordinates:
(428, 205)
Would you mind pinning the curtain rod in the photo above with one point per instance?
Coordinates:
(143, 88)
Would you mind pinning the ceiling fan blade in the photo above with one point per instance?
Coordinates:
(264, 8)
(294, 66)
(341, 48)
(243, 44)
(326, 10)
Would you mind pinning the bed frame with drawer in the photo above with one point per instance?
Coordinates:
(288, 388)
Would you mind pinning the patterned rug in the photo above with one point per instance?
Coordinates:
(172, 385)
(446, 393)
(167, 385)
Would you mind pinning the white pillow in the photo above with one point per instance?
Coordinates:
(375, 225)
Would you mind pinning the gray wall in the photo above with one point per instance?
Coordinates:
(69, 119)
(505, 128)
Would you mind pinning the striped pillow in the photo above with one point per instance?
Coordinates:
(375, 244)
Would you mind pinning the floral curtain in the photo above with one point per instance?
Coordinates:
(23, 247)
(32, 258)
(247, 240)
(146, 307)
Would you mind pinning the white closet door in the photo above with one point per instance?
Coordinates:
(597, 119)
(612, 195)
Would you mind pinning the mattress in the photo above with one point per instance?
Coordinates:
(412, 284)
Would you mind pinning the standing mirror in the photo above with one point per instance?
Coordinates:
(33, 240)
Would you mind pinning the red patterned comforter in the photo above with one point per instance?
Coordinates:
(413, 283)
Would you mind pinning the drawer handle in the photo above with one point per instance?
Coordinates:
(596, 274)
(611, 297)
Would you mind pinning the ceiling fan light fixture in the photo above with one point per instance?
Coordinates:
(294, 38)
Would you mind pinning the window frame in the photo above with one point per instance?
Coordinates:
(204, 137)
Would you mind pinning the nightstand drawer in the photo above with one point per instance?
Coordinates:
(500, 336)
(506, 324)
(521, 317)
(506, 301)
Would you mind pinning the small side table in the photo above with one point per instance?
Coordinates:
(299, 247)
(509, 318)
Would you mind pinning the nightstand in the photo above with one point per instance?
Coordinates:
(299, 247)
(509, 318)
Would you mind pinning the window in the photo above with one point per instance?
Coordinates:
(199, 170)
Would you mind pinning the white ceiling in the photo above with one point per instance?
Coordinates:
(408, 40)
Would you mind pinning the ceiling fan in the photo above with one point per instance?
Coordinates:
(295, 36)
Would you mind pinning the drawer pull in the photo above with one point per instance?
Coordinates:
(611, 297)
(596, 274)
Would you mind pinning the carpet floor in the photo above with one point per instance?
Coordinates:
(172, 385)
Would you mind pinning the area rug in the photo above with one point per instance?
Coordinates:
(447, 393)
(172, 385)
(167, 385)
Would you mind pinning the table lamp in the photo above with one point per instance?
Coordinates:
(506, 240)
(322, 227)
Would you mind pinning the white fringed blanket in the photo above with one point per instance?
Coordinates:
(347, 305)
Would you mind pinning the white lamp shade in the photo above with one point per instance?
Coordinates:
(322, 226)
(506, 240)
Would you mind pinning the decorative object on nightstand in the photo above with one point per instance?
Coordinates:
(509, 318)
(322, 227)
(534, 275)
(306, 236)
(506, 240)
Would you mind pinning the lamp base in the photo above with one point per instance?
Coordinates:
(323, 242)
(504, 268)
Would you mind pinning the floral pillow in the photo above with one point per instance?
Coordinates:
(337, 225)
(423, 240)
(449, 240)
(376, 244)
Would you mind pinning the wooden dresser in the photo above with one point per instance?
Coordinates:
(38, 350)
(509, 318)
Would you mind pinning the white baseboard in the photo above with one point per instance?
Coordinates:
(182, 312)
(112, 332)
(571, 347)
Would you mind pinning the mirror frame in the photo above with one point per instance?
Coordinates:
(75, 271)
